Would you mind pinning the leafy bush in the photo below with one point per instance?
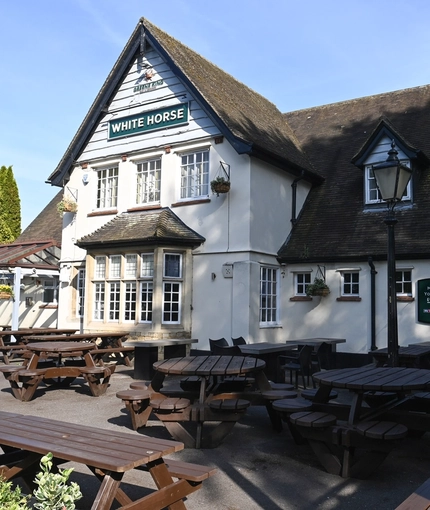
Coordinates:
(12, 498)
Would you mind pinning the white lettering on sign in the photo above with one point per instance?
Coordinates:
(158, 119)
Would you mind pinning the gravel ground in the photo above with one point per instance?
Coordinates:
(257, 468)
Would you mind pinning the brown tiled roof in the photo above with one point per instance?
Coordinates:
(249, 121)
(48, 224)
(334, 224)
(157, 227)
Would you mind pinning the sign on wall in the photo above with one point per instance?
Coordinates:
(424, 300)
(148, 121)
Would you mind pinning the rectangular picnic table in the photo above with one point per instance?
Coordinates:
(106, 344)
(269, 352)
(108, 454)
(413, 356)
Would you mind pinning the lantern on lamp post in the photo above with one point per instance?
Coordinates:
(392, 178)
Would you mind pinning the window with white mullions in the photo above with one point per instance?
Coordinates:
(350, 283)
(146, 295)
(115, 266)
(268, 295)
(171, 302)
(80, 294)
(302, 281)
(114, 301)
(107, 188)
(195, 174)
(130, 301)
(404, 282)
(100, 267)
(99, 301)
(148, 181)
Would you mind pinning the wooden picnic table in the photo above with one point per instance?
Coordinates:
(109, 454)
(207, 409)
(413, 356)
(107, 344)
(269, 353)
(336, 444)
(57, 363)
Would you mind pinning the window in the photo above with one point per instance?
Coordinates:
(107, 188)
(372, 193)
(99, 301)
(350, 283)
(80, 294)
(125, 287)
(130, 302)
(115, 266)
(302, 280)
(148, 181)
(100, 268)
(50, 290)
(195, 174)
(268, 295)
(172, 269)
(404, 282)
(114, 301)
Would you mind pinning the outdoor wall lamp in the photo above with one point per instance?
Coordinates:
(392, 177)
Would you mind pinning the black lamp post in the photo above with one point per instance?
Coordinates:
(392, 178)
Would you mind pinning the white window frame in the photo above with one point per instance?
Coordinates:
(114, 290)
(130, 269)
(172, 289)
(371, 188)
(194, 174)
(107, 187)
(80, 292)
(130, 301)
(148, 181)
(100, 267)
(146, 301)
(404, 281)
(269, 292)
(301, 286)
(115, 263)
(99, 301)
(349, 284)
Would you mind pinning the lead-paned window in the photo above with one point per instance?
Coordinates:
(115, 266)
(100, 267)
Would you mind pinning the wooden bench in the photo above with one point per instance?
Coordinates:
(309, 394)
(418, 500)
(313, 419)
(137, 404)
(188, 471)
(286, 407)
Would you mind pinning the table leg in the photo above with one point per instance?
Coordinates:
(202, 399)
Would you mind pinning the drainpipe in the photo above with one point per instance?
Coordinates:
(373, 274)
(294, 198)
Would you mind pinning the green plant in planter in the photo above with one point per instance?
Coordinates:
(12, 498)
(6, 289)
(67, 205)
(318, 288)
(220, 185)
(53, 491)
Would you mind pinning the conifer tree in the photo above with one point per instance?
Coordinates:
(10, 206)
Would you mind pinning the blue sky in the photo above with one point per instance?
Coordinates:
(55, 56)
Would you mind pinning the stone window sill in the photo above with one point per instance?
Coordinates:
(102, 213)
(348, 298)
(191, 202)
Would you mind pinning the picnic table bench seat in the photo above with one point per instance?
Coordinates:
(98, 377)
(136, 402)
(271, 396)
(418, 500)
(104, 354)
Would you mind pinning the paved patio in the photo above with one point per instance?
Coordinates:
(258, 469)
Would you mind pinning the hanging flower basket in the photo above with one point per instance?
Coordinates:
(67, 205)
(220, 185)
(6, 292)
(318, 288)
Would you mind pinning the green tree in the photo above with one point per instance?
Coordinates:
(10, 206)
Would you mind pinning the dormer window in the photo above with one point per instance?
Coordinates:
(371, 190)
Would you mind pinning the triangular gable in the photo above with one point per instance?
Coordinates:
(251, 124)
(385, 129)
